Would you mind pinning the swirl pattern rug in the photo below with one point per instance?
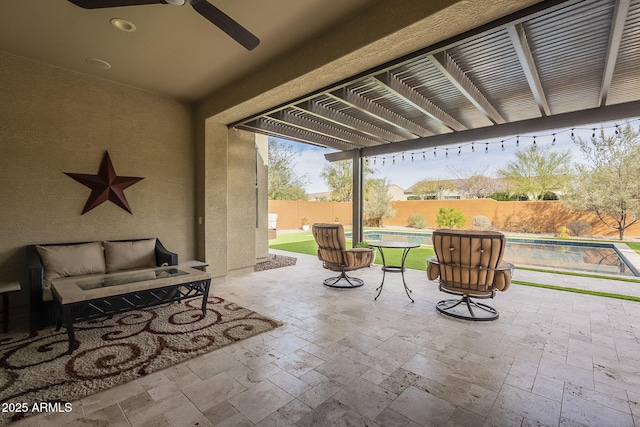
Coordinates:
(34, 368)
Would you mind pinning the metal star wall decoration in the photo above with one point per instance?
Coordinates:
(106, 185)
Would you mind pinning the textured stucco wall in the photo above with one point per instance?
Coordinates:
(241, 220)
(262, 232)
(54, 121)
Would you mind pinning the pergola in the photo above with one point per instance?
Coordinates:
(555, 64)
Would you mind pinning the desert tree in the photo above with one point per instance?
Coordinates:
(377, 204)
(537, 171)
(476, 184)
(284, 182)
(607, 182)
(339, 178)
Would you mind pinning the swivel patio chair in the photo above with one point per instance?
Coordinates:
(469, 263)
(335, 256)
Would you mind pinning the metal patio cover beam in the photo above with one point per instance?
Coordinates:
(403, 127)
(456, 75)
(272, 128)
(345, 120)
(409, 95)
(286, 118)
(615, 38)
(607, 113)
(523, 50)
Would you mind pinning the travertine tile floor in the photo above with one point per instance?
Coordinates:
(342, 359)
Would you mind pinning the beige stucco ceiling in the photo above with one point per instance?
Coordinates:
(174, 51)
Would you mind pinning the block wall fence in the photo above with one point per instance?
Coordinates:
(519, 217)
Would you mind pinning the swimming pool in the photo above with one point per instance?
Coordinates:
(585, 257)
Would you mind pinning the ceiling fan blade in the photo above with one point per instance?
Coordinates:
(100, 4)
(226, 24)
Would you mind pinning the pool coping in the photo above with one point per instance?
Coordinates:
(630, 257)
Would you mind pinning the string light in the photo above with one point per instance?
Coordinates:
(615, 128)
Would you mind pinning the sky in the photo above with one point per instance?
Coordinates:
(485, 157)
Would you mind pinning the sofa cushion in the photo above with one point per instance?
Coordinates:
(128, 255)
(72, 260)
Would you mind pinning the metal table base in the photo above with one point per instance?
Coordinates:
(406, 247)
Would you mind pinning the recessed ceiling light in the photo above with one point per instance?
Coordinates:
(123, 25)
(98, 63)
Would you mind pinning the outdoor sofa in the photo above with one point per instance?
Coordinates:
(50, 261)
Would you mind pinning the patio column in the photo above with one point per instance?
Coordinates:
(357, 201)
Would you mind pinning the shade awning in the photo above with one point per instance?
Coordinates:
(551, 65)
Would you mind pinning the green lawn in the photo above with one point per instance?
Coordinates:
(635, 246)
(304, 243)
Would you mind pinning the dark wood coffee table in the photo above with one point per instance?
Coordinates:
(85, 298)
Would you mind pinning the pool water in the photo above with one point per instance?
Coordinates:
(585, 257)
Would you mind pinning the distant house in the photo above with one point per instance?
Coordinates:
(445, 189)
(396, 192)
(323, 196)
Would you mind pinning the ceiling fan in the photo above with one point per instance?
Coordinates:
(204, 8)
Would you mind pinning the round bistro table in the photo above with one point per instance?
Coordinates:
(406, 247)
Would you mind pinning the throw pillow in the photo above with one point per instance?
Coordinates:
(72, 260)
(129, 255)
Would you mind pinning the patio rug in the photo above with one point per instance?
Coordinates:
(34, 368)
(275, 261)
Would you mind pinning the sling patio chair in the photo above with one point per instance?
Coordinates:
(469, 263)
(333, 252)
